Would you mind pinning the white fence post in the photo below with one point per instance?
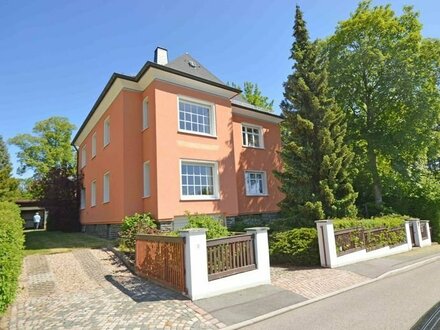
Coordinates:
(196, 263)
(327, 244)
(426, 241)
(415, 223)
(409, 241)
(261, 249)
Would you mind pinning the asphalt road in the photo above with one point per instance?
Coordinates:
(395, 302)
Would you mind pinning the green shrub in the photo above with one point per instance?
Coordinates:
(214, 227)
(298, 246)
(11, 252)
(133, 225)
(388, 221)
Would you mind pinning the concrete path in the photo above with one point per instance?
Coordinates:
(91, 289)
(242, 305)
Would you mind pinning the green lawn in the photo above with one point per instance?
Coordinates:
(48, 242)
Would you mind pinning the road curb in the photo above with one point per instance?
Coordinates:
(313, 300)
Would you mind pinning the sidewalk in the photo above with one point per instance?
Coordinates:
(295, 287)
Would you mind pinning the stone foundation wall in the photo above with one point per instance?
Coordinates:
(103, 231)
(251, 220)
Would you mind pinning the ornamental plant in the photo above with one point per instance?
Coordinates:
(134, 225)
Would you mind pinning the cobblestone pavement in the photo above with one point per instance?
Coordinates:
(313, 282)
(91, 289)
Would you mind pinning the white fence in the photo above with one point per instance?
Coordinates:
(197, 280)
(417, 234)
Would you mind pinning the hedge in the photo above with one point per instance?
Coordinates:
(298, 246)
(11, 252)
(388, 221)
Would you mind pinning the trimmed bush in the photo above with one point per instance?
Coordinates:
(387, 221)
(11, 252)
(214, 227)
(133, 225)
(298, 246)
(275, 225)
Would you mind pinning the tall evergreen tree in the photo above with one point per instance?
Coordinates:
(8, 184)
(315, 178)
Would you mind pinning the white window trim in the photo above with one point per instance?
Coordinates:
(145, 114)
(265, 190)
(261, 135)
(104, 201)
(106, 135)
(83, 198)
(94, 145)
(149, 179)
(93, 193)
(212, 113)
(84, 156)
(215, 178)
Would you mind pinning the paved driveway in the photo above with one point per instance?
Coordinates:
(91, 289)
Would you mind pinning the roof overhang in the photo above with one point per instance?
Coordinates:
(149, 72)
(250, 111)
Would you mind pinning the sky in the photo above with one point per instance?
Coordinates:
(56, 56)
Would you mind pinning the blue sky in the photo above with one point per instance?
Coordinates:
(56, 56)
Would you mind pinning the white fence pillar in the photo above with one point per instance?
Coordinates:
(261, 249)
(415, 224)
(427, 240)
(196, 263)
(409, 241)
(327, 244)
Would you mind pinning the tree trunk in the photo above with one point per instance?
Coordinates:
(377, 187)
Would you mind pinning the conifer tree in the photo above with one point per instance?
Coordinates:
(315, 177)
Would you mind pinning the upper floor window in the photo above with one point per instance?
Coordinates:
(94, 145)
(83, 156)
(196, 117)
(252, 136)
(145, 114)
(199, 180)
(106, 131)
(106, 188)
(256, 183)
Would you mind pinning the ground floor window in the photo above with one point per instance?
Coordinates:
(256, 183)
(199, 180)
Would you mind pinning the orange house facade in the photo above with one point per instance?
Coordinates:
(175, 139)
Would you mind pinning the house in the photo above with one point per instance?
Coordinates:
(175, 138)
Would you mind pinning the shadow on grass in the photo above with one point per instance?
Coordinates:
(140, 290)
(41, 241)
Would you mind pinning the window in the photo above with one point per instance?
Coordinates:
(256, 183)
(146, 179)
(94, 145)
(83, 156)
(196, 117)
(107, 131)
(93, 194)
(106, 188)
(199, 180)
(83, 199)
(252, 136)
(145, 114)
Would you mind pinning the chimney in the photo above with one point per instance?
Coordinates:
(161, 56)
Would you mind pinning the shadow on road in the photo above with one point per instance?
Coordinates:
(429, 321)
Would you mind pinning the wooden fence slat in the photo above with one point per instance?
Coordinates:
(229, 256)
